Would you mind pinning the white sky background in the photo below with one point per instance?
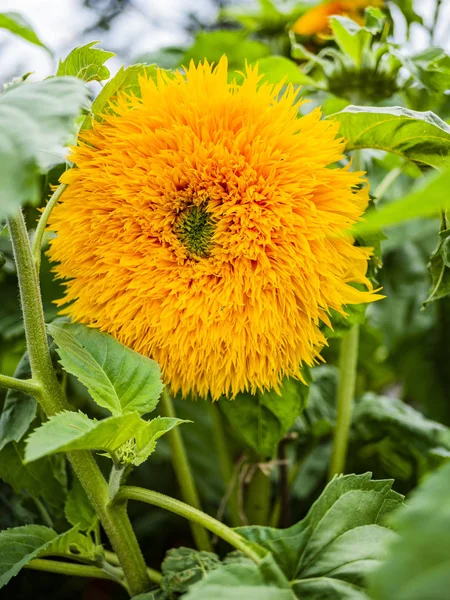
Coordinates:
(146, 26)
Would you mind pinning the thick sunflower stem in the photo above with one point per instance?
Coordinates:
(226, 464)
(257, 505)
(183, 472)
(348, 360)
(52, 399)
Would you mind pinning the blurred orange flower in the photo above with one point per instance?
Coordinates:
(315, 20)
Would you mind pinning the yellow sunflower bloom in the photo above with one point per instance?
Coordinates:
(315, 21)
(202, 227)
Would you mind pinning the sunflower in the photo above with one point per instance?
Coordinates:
(202, 227)
(315, 21)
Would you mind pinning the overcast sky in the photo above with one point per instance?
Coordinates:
(145, 26)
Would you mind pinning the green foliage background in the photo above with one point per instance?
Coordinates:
(393, 106)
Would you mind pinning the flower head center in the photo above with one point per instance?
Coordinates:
(194, 228)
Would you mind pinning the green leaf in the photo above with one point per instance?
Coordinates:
(342, 537)
(35, 120)
(235, 45)
(431, 67)
(44, 479)
(183, 567)
(439, 267)
(427, 199)
(277, 68)
(264, 418)
(73, 544)
(417, 565)
(252, 582)
(388, 432)
(126, 80)
(350, 37)
(78, 509)
(374, 20)
(19, 409)
(20, 545)
(327, 588)
(421, 137)
(147, 436)
(86, 62)
(69, 430)
(17, 24)
(320, 414)
(117, 378)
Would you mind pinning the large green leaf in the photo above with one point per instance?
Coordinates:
(417, 565)
(44, 479)
(86, 62)
(19, 409)
(327, 588)
(17, 24)
(342, 537)
(126, 80)
(252, 582)
(431, 67)
(69, 430)
(392, 437)
(421, 137)
(18, 546)
(278, 68)
(427, 200)
(35, 120)
(118, 378)
(78, 508)
(264, 418)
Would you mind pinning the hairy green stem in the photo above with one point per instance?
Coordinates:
(348, 360)
(27, 386)
(40, 229)
(225, 462)
(183, 472)
(52, 399)
(71, 569)
(192, 514)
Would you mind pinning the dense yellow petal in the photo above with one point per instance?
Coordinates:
(197, 156)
